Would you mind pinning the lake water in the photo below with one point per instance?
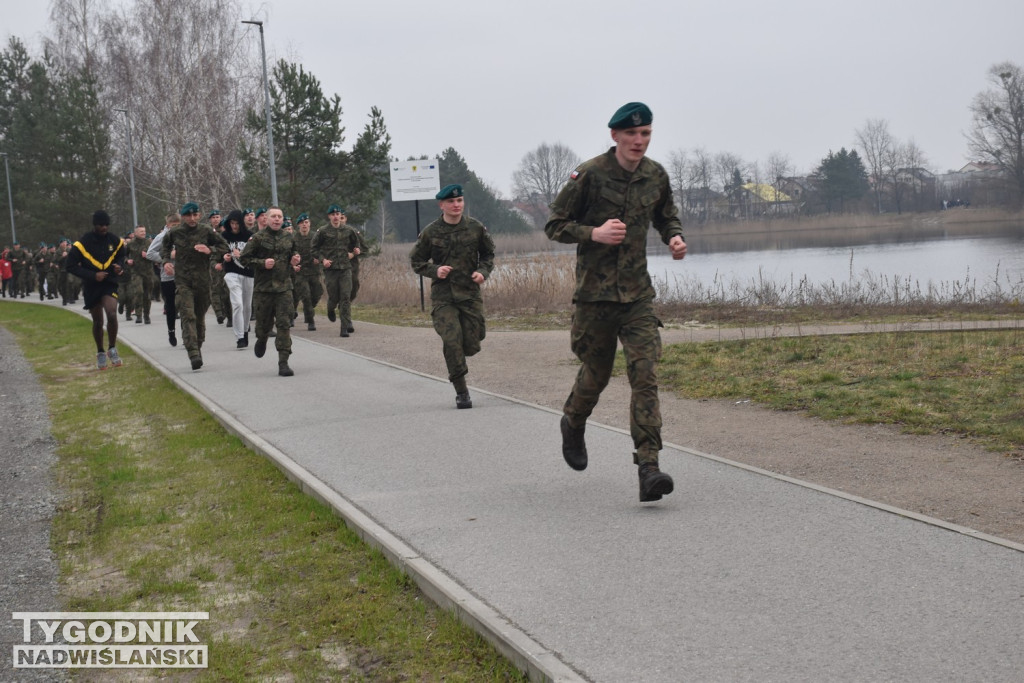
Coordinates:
(978, 261)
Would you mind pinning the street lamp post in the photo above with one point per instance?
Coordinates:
(270, 131)
(10, 200)
(131, 168)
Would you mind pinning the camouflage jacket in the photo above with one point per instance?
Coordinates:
(600, 189)
(275, 244)
(140, 266)
(465, 246)
(304, 248)
(191, 266)
(334, 245)
(19, 258)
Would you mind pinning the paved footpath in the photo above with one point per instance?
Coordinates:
(740, 575)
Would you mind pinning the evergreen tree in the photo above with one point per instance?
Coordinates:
(367, 178)
(842, 179)
(481, 202)
(307, 142)
(58, 140)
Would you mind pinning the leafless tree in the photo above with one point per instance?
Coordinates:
(997, 129)
(76, 26)
(777, 168)
(541, 175)
(678, 168)
(877, 148)
(187, 72)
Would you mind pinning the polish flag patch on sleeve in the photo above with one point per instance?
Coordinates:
(574, 175)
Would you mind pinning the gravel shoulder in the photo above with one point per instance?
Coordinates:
(940, 476)
(29, 498)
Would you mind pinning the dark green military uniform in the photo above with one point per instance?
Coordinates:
(614, 295)
(52, 272)
(62, 274)
(457, 306)
(192, 278)
(355, 263)
(272, 301)
(140, 286)
(337, 244)
(308, 287)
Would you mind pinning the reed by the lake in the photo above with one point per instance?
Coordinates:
(543, 283)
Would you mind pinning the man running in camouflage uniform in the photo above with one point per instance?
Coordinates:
(335, 245)
(140, 286)
(457, 253)
(272, 257)
(606, 208)
(193, 246)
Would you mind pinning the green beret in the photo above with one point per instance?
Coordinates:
(630, 116)
(246, 211)
(302, 217)
(215, 212)
(449, 191)
(334, 208)
(260, 211)
(190, 207)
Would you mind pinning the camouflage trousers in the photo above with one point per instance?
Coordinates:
(308, 291)
(355, 279)
(461, 327)
(220, 298)
(274, 310)
(339, 294)
(192, 299)
(596, 329)
(140, 295)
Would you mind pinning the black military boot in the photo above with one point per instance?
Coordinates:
(283, 370)
(197, 362)
(653, 483)
(574, 448)
(311, 326)
(462, 399)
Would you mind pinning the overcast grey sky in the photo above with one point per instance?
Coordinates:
(496, 79)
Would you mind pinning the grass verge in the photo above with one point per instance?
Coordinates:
(164, 510)
(969, 383)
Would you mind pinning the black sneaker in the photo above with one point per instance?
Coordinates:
(283, 370)
(574, 448)
(172, 339)
(260, 347)
(241, 343)
(462, 401)
(653, 483)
